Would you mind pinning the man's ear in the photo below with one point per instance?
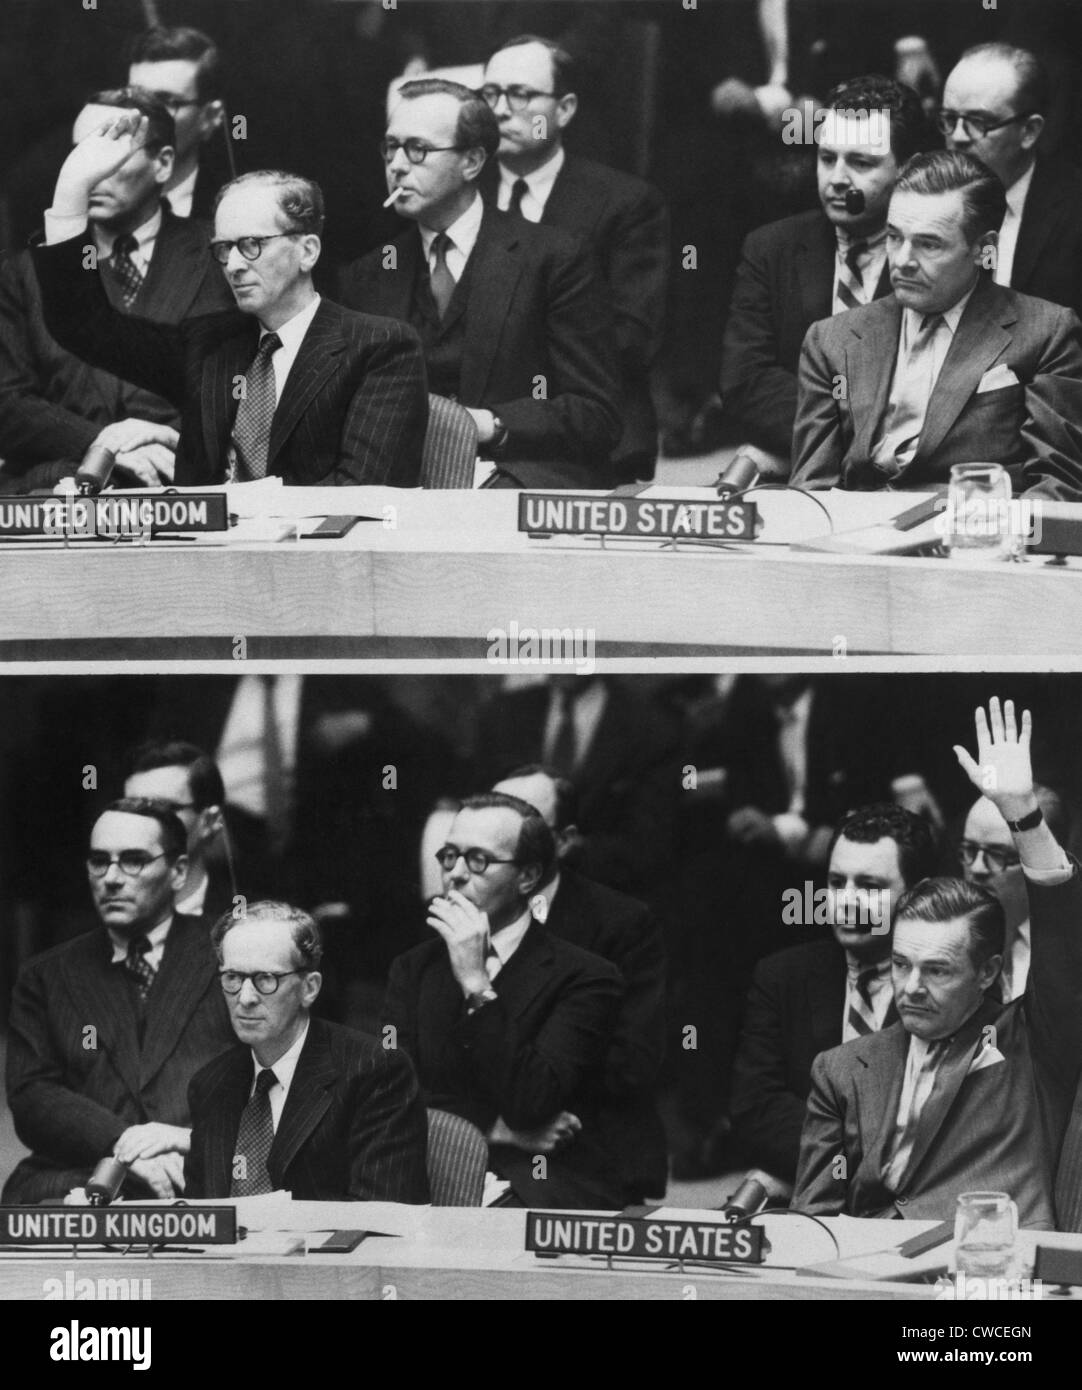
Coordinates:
(529, 877)
(565, 109)
(473, 161)
(180, 871)
(565, 838)
(163, 164)
(210, 823)
(210, 118)
(988, 971)
(986, 251)
(1032, 129)
(311, 984)
(311, 246)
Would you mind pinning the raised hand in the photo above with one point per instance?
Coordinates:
(1002, 770)
(94, 158)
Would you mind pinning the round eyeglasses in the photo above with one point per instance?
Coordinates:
(477, 860)
(265, 981)
(131, 862)
(250, 247)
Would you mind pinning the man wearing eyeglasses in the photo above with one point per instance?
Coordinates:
(301, 1105)
(994, 105)
(287, 384)
(505, 1022)
(182, 68)
(989, 858)
(53, 406)
(107, 1029)
(512, 316)
(530, 83)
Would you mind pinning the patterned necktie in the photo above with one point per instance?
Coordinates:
(860, 1016)
(252, 426)
(519, 189)
(254, 1139)
(898, 443)
(441, 281)
(124, 268)
(850, 293)
(138, 967)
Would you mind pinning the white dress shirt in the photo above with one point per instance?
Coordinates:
(461, 235)
(283, 1070)
(505, 942)
(1016, 962)
(1012, 225)
(880, 989)
(541, 902)
(146, 236)
(292, 335)
(911, 323)
(193, 904)
(156, 936)
(538, 186)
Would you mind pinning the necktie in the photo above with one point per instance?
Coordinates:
(564, 751)
(909, 401)
(254, 1139)
(860, 1016)
(124, 268)
(138, 967)
(493, 964)
(441, 281)
(850, 292)
(519, 189)
(252, 426)
(906, 1131)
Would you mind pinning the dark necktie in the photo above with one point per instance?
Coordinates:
(252, 426)
(254, 1139)
(519, 189)
(138, 967)
(564, 750)
(441, 281)
(124, 268)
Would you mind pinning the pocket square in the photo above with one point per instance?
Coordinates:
(997, 378)
(987, 1057)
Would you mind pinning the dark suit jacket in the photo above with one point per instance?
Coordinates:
(625, 222)
(52, 405)
(536, 308)
(354, 408)
(624, 931)
(1048, 256)
(794, 1012)
(352, 1129)
(1031, 427)
(784, 284)
(539, 1048)
(70, 1100)
(627, 780)
(1000, 1128)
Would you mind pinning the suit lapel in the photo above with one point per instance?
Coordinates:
(1038, 224)
(497, 265)
(176, 272)
(100, 994)
(187, 970)
(390, 292)
(979, 339)
(224, 1107)
(874, 344)
(307, 1102)
(880, 1059)
(525, 974)
(221, 369)
(315, 363)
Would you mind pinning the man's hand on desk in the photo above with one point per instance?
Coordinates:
(163, 1175)
(558, 1133)
(150, 465)
(125, 436)
(151, 1140)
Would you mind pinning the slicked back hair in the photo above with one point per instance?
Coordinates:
(910, 132)
(949, 171)
(564, 74)
(173, 43)
(1034, 89)
(300, 200)
(174, 837)
(476, 127)
(204, 777)
(161, 128)
(307, 939)
(535, 843)
(950, 899)
(867, 825)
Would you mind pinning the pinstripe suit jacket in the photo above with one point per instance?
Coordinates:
(353, 1126)
(72, 1092)
(354, 407)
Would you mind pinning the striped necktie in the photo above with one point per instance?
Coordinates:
(860, 1015)
(138, 967)
(124, 269)
(254, 1139)
(850, 292)
(255, 414)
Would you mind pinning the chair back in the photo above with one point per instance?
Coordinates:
(450, 447)
(457, 1159)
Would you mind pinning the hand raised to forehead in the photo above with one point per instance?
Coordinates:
(103, 151)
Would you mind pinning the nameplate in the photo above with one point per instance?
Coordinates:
(573, 514)
(563, 1233)
(113, 516)
(120, 1225)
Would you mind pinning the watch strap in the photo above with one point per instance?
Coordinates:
(1028, 822)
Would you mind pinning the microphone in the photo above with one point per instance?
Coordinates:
(95, 470)
(855, 202)
(106, 1181)
(745, 1201)
(740, 472)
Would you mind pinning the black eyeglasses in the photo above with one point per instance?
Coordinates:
(131, 862)
(975, 127)
(996, 858)
(518, 98)
(265, 981)
(416, 151)
(477, 860)
(250, 247)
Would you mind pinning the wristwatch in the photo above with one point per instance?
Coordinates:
(1028, 822)
(480, 999)
(499, 435)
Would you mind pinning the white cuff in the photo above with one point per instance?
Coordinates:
(63, 228)
(1049, 877)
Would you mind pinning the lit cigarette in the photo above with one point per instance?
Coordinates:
(394, 196)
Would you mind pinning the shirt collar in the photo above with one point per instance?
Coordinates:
(873, 243)
(194, 903)
(855, 966)
(951, 316)
(156, 936)
(145, 236)
(1016, 194)
(462, 232)
(183, 192)
(507, 940)
(286, 1065)
(540, 181)
(293, 330)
